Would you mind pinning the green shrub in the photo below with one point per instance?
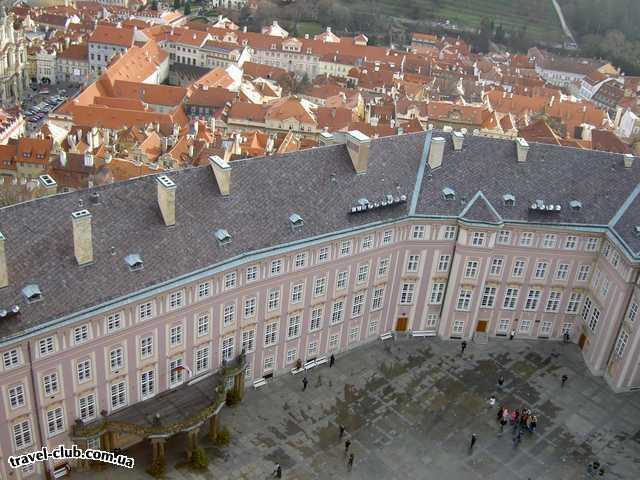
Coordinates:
(232, 398)
(224, 437)
(199, 459)
(156, 469)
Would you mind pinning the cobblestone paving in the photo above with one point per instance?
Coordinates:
(410, 407)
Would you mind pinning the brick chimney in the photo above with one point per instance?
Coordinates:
(167, 199)
(436, 152)
(458, 140)
(358, 147)
(522, 149)
(4, 274)
(82, 239)
(628, 160)
(222, 171)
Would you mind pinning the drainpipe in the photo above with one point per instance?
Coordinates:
(626, 309)
(47, 466)
(446, 287)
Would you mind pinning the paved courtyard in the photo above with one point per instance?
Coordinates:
(410, 407)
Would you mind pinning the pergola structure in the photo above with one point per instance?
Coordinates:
(184, 409)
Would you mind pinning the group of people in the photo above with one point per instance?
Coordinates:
(521, 420)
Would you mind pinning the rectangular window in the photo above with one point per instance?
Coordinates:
(606, 249)
(518, 268)
(249, 341)
(583, 273)
(46, 346)
(367, 242)
(147, 384)
(545, 329)
(593, 322)
(227, 348)
(586, 309)
(146, 347)
(267, 365)
(291, 355)
(276, 267)
(488, 297)
(312, 349)
(116, 359)
(202, 325)
(337, 312)
(80, 334)
(273, 299)
(615, 259)
(176, 300)
(114, 322)
(478, 239)
(496, 266)
(230, 280)
(418, 232)
(319, 286)
(450, 232)
(592, 244)
(413, 263)
(175, 335)
(354, 335)
(249, 307)
(549, 241)
(22, 436)
(363, 273)
(525, 326)
(605, 288)
(437, 292)
(633, 312)
(341, 280)
(293, 327)
(270, 334)
(55, 421)
(252, 273)
(316, 318)
(87, 407)
(464, 299)
(356, 307)
(300, 260)
(510, 298)
(533, 298)
(118, 395)
(297, 292)
(373, 327)
(377, 298)
(202, 359)
(333, 341)
(387, 237)
(553, 301)
(562, 272)
(458, 327)
(526, 239)
(574, 302)
(471, 269)
(383, 267)
(11, 359)
(432, 321)
(503, 326)
(406, 293)
(83, 370)
(621, 343)
(570, 242)
(145, 311)
(16, 396)
(204, 290)
(323, 254)
(443, 263)
(345, 248)
(541, 270)
(504, 237)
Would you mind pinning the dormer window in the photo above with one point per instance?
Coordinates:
(636, 229)
(296, 221)
(448, 193)
(575, 205)
(134, 261)
(509, 200)
(32, 293)
(223, 237)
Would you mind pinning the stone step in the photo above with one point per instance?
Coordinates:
(481, 338)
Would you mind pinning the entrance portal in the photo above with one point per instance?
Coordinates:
(482, 326)
(401, 325)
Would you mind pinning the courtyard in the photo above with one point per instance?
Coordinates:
(410, 406)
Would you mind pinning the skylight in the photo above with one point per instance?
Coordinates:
(509, 199)
(222, 236)
(448, 193)
(296, 221)
(32, 293)
(134, 261)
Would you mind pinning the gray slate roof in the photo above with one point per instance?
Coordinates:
(266, 191)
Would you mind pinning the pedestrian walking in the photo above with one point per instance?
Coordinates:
(517, 438)
(565, 337)
(277, 472)
(534, 423)
(564, 380)
(512, 334)
(503, 422)
(347, 444)
(500, 414)
(463, 346)
(500, 381)
(492, 401)
(304, 383)
(350, 462)
(332, 360)
(474, 439)
(341, 431)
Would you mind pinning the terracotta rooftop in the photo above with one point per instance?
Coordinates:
(122, 37)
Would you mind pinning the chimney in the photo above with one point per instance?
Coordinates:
(82, 241)
(222, 171)
(436, 152)
(48, 184)
(358, 147)
(628, 160)
(63, 158)
(523, 148)
(4, 275)
(167, 199)
(458, 139)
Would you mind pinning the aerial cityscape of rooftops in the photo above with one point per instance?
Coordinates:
(203, 202)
